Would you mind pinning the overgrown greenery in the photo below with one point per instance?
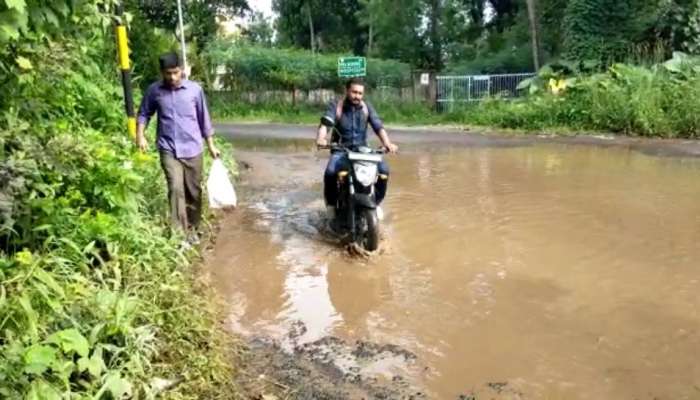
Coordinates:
(662, 100)
(251, 67)
(482, 36)
(97, 298)
(226, 109)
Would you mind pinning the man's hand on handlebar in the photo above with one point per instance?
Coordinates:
(322, 143)
(391, 148)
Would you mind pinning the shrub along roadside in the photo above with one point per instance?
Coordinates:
(224, 109)
(655, 101)
(252, 68)
(658, 101)
(97, 299)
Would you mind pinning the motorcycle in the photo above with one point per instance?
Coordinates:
(356, 207)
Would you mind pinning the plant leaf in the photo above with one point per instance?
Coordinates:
(94, 365)
(525, 83)
(38, 358)
(41, 390)
(24, 63)
(48, 280)
(117, 386)
(71, 340)
(30, 315)
(18, 5)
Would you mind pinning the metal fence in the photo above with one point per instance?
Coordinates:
(400, 89)
(456, 89)
(441, 92)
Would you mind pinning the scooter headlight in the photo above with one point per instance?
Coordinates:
(366, 173)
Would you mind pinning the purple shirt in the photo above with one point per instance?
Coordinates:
(183, 117)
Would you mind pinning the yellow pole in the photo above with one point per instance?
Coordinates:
(124, 66)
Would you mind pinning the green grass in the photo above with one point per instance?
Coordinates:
(225, 109)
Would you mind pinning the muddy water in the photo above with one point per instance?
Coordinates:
(540, 272)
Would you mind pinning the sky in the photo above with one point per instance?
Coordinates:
(264, 6)
(261, 5)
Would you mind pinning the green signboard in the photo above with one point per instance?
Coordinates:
(349, 67)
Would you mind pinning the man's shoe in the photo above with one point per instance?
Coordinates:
(193, 238)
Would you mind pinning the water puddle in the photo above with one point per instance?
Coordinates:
(547, 271)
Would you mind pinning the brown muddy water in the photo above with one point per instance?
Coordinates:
(549, 271)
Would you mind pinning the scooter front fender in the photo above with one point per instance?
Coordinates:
(364, 200)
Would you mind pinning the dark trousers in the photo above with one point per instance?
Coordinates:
(339, 162)
(184, 178)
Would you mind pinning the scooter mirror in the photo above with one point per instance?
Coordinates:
(327, 121)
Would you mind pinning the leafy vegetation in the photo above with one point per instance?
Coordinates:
(250, 67)
(663, 100)
(604, 58)
(228, 107)
(482, 36)
(97, 297)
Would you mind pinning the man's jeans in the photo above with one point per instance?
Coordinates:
(184, 178)
(339, 162)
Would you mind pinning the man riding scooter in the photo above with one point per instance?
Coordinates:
(350, 117)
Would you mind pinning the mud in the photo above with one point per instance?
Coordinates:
(328, 368)
(511, 268)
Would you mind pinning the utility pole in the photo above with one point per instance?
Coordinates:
(123, 52)
(182, 35)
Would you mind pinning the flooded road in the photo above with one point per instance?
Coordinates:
(528, 271)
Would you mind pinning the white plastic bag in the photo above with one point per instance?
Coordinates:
(219, 187)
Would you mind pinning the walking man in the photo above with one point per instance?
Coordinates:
(183, 126)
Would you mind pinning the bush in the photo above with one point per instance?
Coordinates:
(661, 101)
(226, 106)
(96, 297)
(249, 67)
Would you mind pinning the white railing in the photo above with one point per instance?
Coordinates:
(453, 89)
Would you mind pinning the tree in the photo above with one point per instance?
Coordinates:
(550, 17)
(309, 17)
(29, 25)
(679, 25)
(505, 12)
(200, 17)
(333, 25)
(435, 35)
(396, 27)
(532, 18)
(259, 30)
(366, 17)
(607, 30)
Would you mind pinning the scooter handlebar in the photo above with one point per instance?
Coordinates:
(378, 150)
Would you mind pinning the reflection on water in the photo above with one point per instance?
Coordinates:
(565, 272)
(306, 289)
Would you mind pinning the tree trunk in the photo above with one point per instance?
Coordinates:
(435, 34)
(532, 16)
(311, 27)
(369, 46)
